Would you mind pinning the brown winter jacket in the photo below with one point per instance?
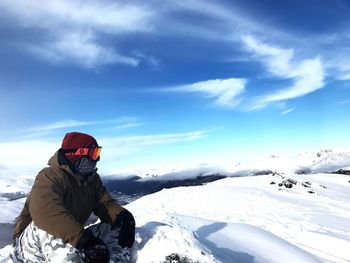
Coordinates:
(59, 204)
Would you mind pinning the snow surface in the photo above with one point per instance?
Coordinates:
(12, 197)
(246, 219)
(236, 219)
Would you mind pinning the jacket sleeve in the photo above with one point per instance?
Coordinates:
(23, 220)
(47, 210)
(106, 208)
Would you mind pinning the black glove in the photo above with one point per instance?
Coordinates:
(126, 223)
(93, 248)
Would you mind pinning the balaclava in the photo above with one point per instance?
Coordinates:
(84, 166)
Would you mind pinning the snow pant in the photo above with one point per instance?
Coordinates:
(36, 245)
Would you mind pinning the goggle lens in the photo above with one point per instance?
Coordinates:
(94, 153)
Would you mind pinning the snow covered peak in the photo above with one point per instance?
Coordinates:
(325, 160)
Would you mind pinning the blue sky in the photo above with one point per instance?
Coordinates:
(170, 81)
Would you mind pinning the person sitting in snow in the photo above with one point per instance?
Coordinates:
(50, 227)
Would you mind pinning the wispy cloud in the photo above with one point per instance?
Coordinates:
(73, 28)
(107, 16)
(302, 63)
(124, 123)
(287, 111)
(308, 74)
(228, 22)
(341, 64)
(345, 102)
(144, 140)
(225, 92)
(277, 60)
(62, 125)
(152, 61)
(35, 153)
(128, 125)
(335, 50)
(82, 49)
(120, 148)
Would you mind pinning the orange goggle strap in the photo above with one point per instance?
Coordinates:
(94, 153)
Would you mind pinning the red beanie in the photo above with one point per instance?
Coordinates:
(75, 140)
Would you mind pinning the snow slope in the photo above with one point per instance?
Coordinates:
(246, 219)
(237, 219)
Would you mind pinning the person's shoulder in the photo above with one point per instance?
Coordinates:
(96, 181)
(52, 173)
(96, 178)
(52, 170)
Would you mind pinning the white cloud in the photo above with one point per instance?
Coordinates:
(116, 149)
(234, 22)
(123, 121)
(335, 49)
(224, 22)
(61, 125)
(308, 78)
(308, 74)
(277, 60)
(82, 49)
(341, 65)
(145, 140)
(128, 125)
(224, 91)
(152, 61)
(103, 16)
(72, 28)
(287, 111)
(28, 157)
(344, 73)
(229, 20)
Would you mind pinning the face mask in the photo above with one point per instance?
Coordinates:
(84, 167)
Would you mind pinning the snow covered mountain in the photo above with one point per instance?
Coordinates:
(296, 210)
(248, 219)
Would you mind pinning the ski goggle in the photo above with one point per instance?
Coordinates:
(94, 153)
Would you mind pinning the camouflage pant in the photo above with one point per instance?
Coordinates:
(36, 245)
